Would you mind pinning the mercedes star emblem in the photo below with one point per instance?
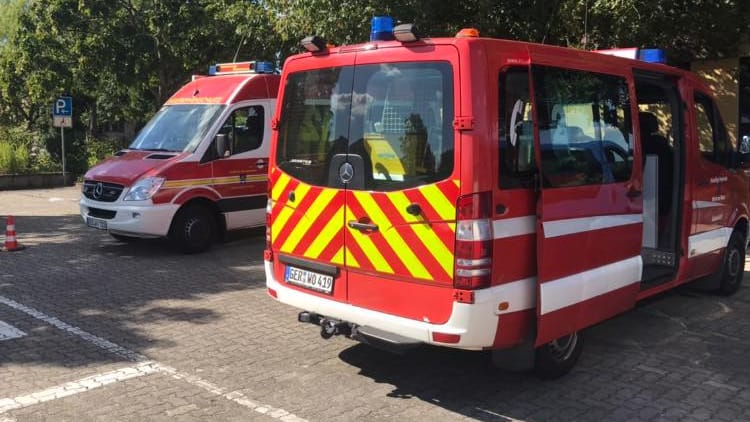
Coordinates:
(98, 189)
(346, 172)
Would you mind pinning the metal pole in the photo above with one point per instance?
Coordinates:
(62, 136)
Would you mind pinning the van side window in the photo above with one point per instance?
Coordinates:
(244, 127)
(585, 127)
(516, 130)
(712, 137)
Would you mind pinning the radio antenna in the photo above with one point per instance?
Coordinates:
(586, 26)
(239, 46)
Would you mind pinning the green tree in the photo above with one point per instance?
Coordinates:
(121, 59)
(10, 10)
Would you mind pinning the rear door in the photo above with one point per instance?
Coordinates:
(307, 200)
(590, 205)
(400, 203)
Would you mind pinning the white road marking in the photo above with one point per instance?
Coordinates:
(9, 332)
(234, 396)
(76, 387)
(95, 340)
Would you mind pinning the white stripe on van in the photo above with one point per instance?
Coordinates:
(576, 288)
(511, 227)
(702, 243)
(584, 224)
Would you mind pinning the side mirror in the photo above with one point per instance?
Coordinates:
(745, 145)
(743, 152)
(222, 146)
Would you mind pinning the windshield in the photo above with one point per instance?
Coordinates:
(395, 119)
(177, 128)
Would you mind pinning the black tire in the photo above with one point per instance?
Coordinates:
(123, 238)
(193, 229)
(732, 265)
(558, 357)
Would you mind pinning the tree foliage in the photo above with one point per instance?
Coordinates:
(121, 59)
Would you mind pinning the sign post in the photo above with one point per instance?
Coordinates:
(62, 117)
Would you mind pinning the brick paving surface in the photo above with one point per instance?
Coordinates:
(240, 355)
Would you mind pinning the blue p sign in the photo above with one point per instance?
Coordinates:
(63, 107)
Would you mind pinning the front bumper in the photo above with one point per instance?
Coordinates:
(142, 219)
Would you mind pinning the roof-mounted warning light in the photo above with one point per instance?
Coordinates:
(381, 28)
(314, 44)
(406, 32)
(649, 55)
(468, 33)
(652, 55)
(241, 67)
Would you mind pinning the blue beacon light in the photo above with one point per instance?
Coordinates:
(381, 28)
(652, 55)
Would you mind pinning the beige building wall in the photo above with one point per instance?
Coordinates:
(722, 77)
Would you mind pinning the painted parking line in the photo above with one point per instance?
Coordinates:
(9, 332)
(77, 387)
(234, 396)
(95, 340)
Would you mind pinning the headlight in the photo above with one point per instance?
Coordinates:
(144, 189)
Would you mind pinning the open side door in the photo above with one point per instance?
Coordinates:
(590, 204)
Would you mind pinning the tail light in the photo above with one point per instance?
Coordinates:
(473, 241)
(268, 254)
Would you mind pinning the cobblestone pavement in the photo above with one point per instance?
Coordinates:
(116, 331)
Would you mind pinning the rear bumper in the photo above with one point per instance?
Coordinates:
(476, 323)
(143, 220)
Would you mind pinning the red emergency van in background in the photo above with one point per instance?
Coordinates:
(197, 169)
(496, 195)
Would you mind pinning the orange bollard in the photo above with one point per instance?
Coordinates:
(11, 245)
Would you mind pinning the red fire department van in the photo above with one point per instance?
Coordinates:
(487, 194)
(197, 169)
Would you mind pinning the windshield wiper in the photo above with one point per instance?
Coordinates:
(156, 149)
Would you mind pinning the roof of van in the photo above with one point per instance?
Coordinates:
(560, 56)
(226, 89)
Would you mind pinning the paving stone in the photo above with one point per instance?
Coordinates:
(239, 355)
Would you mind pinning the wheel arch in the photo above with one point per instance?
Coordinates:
(742, 226)
(210, 204)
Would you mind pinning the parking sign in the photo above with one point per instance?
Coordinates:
(62, 112)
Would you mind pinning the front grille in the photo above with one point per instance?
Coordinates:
(109, 192)
(100, 213)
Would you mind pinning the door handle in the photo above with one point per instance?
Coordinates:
(414, 209)
(363, 227)
(633, 193)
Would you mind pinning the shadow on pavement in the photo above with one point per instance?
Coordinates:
(111, 288)
(682, 346)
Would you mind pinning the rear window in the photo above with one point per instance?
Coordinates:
(397, 117)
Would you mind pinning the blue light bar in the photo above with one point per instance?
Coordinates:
(381, 28)
(652, 55)
(237, 68)
(264, 67)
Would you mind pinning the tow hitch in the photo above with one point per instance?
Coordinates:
(328, 327)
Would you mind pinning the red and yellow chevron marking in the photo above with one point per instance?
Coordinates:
(314, 226)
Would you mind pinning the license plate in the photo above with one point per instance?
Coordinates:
(309, 280)
(96, 223)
